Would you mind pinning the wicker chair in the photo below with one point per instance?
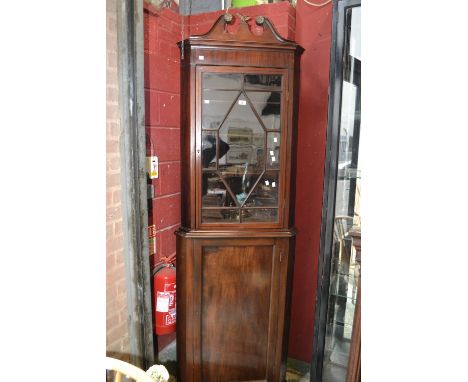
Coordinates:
(122, 368)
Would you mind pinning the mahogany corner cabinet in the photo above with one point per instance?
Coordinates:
(235, 247)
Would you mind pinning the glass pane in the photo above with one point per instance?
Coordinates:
(335, 355)
(244, 160)
(273, 151)
(215, 105)
(209, 149)
(337, 349)
(237, 153)
(240, 185)
(263, 82)
(343, 285)
(268, 107)
(222, 81)
(344, 270)
(264, 215)
(266, 192)
(214, 193)
(220, 215)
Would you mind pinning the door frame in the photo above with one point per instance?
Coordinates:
(130, 53)
(329, 191)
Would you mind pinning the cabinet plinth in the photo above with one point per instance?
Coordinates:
(236, 245)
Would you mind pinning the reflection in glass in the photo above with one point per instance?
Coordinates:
(336, 355)
(245, 137)
(268, 107)
(215, 105)
(214, 192)
(338, 280)
(259, 215)
(220, 215)
(222, 81)
(209, 149)
(265, 193)
(240, 185)
(237, 153)
(262, 82)
(244, 161)
(273, 150)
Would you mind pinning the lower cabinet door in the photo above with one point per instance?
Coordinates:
(238, 309)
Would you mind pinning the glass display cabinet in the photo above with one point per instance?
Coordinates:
(336, 343)
(235, 247)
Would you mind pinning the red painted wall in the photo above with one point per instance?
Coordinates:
(282, 15)
(313, 32)
(162, 100)
(162, 103)
(311, 27)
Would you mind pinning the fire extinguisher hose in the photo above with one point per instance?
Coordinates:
(164, 262)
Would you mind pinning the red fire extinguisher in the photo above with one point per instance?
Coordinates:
(164, 278)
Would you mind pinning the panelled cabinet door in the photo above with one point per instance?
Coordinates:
(239, 323)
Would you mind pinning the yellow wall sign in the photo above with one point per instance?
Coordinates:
(152, 167)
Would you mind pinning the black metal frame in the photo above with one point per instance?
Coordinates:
(331, 163)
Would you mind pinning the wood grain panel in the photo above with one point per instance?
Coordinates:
(236, 294)
(250, 57)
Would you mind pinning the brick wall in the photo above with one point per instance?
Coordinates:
(162, 121)
(162, 104)
(117, 342)
(162, 30)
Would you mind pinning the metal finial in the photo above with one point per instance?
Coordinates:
(227, 17)
(260, 20)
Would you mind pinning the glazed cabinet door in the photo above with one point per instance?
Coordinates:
(241, 134)
(239, 294)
